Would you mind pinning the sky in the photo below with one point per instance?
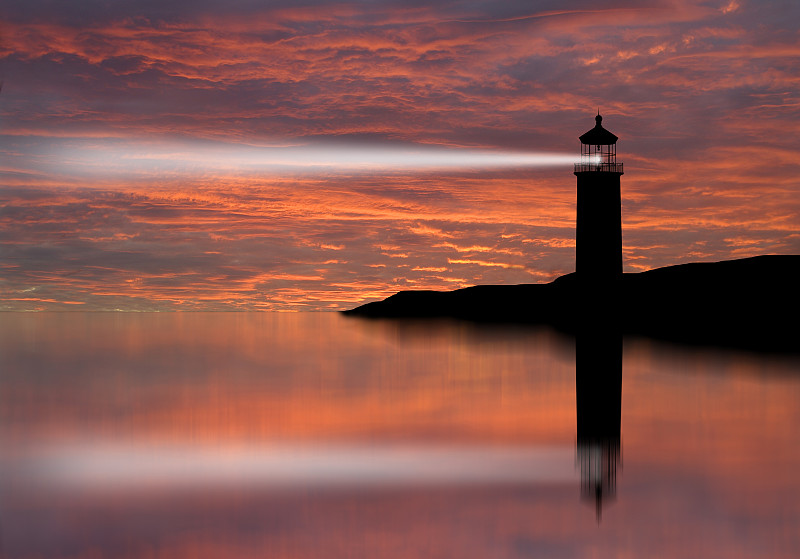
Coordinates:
(282, 155)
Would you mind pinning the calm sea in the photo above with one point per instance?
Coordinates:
(217, 435)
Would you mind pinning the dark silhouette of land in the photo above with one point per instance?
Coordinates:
(751, 303)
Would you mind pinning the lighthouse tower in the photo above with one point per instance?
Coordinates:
(598, 255)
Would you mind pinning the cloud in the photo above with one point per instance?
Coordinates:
(703, 97)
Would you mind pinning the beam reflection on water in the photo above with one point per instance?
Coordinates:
(97, 465)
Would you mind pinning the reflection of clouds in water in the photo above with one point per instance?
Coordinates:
(222, 407)
(96, 465)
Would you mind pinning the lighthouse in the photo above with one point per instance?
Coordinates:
(598, 254)
(598, 359)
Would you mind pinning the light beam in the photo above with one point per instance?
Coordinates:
(194, 157)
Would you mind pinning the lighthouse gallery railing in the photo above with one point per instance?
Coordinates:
(598, 167)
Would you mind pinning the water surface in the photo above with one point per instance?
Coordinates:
(316, 435)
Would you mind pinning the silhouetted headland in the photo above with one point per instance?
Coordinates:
(751, 303)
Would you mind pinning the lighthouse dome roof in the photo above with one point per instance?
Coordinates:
(598, 135)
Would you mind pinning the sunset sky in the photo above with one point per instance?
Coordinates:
(222, 155)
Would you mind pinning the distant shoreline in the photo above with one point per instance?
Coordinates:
(750, 303)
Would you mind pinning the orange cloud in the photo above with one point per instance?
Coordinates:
(703, 100)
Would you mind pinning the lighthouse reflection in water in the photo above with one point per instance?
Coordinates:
(598, 399)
